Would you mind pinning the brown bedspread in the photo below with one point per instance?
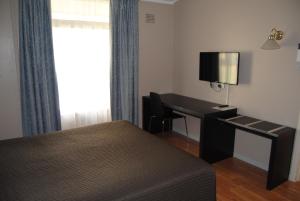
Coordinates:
(106, 162)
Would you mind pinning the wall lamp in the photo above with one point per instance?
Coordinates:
(271, 42)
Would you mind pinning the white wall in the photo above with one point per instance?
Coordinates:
(10, 111)
(269, 80)
(156, 41)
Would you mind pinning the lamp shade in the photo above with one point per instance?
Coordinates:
(270, 44)
(298, 53)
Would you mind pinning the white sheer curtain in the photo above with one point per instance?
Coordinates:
(82, 59)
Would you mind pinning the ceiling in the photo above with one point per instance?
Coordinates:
(162, 1)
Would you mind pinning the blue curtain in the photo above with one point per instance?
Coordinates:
(39, 93)
(124, 71)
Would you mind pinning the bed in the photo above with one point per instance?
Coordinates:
(113, 161)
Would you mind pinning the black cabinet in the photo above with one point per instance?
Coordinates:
(216, 140)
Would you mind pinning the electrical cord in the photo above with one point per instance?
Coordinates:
(218, 87)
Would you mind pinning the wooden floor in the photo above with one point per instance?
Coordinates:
(240, 181)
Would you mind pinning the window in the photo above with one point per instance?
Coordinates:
(82, 60)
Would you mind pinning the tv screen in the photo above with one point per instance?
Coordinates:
(221, 67)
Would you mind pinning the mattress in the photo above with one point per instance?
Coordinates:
(113, 161)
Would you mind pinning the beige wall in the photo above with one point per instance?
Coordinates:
(156, 49)
(10, 111)
(269, 80)
(169, 51)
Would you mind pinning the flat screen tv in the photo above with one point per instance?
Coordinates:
(221, 67)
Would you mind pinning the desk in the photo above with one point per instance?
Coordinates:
(204, 111)
(282, 138)
(217, 133)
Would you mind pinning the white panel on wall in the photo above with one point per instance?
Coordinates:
(295, 166)
(246, 145)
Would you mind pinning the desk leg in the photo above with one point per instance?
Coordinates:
(202, 145)
(280, 160)
(216, 140)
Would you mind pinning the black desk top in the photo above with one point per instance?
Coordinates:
(188, 105)
(259, 127)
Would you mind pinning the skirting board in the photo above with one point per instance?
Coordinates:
(250, 161)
